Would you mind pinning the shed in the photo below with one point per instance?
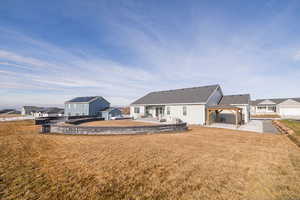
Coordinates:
(108, 113)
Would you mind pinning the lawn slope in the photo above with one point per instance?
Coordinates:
(203, 163)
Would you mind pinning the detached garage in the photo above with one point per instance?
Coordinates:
(289, 108)
(290, 111)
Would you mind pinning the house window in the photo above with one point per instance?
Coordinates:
(137, 110)
(184, 110)
(261, 108)
(69, 105)
(272, 108)
(168, 111)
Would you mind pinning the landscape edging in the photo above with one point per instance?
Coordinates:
(287, 131)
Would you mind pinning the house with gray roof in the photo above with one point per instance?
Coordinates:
(188, 104)
(86, 106)
(48, 112)
(28, 110)
(284, 107)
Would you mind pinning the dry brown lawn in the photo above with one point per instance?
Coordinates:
(266, 116)
(117, 123)
(203, 163)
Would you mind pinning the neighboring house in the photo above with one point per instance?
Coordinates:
(49, 112)
(86, 106)
(9, 111)
(28, 110)
(189, 104)
(108, 113)
(284, 107)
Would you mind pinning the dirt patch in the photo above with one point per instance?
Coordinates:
(265, 116)
(117, 123)
(203, 163)
(10, 115)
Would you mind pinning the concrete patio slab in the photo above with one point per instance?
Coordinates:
(253, 125)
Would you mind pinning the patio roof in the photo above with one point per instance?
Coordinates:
(223, 107)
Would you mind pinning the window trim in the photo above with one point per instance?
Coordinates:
(168, 110)
(184, 111)
(136, 110)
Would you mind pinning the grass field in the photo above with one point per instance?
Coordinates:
(117, 123)
(293, 124)
(203, 163)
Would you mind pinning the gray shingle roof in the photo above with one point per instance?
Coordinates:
(83, 99)
(185, 95)
(275, 100)
(235, 99)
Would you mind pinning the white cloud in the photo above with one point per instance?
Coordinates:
(297, 56)
(239, 62)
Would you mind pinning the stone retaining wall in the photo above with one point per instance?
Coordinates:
(83, 120)
(105, 130)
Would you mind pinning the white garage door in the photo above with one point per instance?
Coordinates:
(290, 111)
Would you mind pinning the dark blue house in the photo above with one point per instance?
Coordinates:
(86, 106)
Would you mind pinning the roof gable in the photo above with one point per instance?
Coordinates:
(276, 101)
(290, 102)
(235, 99)
(185, 95)
(267, 101)
(83, 99)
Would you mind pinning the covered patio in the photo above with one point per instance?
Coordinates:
(218, 109)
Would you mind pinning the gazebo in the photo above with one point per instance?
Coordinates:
(219, 108)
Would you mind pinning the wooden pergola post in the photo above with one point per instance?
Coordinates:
(208, 116)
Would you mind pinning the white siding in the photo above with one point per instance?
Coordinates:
(289, 108)
(255, 111)
(287, 112)
(195, 113)
(137, 115)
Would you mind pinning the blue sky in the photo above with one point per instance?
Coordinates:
(51, 51)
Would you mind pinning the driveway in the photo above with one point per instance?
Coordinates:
(268, 127)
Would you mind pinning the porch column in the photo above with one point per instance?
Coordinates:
(208, 115)
(217, 116)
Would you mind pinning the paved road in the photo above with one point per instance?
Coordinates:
(268, 127)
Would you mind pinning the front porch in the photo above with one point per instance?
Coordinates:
(156, 112)
(265, 109)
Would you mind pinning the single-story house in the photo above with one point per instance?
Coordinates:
(284, 107)
(28, 110)
(9, 111)
(109, 113)
(86, 106)
(49, 112)
(197, 105)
